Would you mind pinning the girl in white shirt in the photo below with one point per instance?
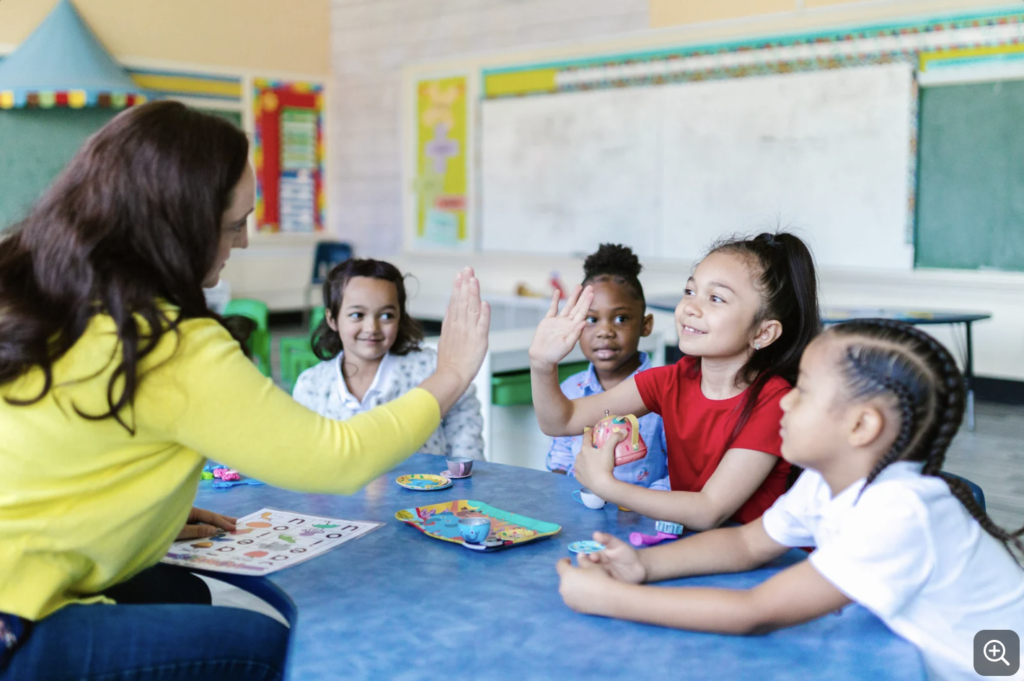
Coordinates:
(874, 409)
(372, 355)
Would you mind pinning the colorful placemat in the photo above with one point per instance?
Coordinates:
(421, 482)
(441, 521)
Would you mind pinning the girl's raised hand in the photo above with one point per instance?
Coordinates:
(619, 560)
(559, 332)
(463, 342)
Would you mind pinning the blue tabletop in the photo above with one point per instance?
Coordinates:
(397, 604)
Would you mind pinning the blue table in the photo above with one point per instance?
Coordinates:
(829, 316)
(397, 604)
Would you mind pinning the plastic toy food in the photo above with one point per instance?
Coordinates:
(632, 447)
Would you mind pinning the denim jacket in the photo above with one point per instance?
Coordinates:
(650, 471)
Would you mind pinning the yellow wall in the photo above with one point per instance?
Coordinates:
(675, 12)
(807, 12)
(268, 35)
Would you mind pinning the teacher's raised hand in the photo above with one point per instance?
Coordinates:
(463, 344)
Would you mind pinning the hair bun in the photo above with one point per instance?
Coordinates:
(612, 259)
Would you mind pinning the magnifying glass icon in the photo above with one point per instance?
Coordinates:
(995, 651)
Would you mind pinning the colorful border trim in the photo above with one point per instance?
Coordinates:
(72, 99)
(800, 52)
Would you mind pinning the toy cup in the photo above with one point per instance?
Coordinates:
(588, 498)
(474, 530)
(460, 466)
(629, 449)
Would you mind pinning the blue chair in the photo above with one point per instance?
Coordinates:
(327, 255)
(979, 496)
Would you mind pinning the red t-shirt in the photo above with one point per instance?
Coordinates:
(697, 430)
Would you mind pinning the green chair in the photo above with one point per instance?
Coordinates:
(259, 339)
(296, 352)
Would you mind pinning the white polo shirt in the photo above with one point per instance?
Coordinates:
(909, 552)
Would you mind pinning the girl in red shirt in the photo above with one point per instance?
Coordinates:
(748, 311)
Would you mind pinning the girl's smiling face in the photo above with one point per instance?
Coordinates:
(716, 317)
(367, 320)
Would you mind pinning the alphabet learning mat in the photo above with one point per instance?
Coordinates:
(267, 541)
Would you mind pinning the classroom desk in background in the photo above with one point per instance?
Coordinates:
(838, 315)
(398, 604)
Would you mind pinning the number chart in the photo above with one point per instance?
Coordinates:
(267, 541)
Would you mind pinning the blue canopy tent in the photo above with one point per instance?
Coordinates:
(63, 64)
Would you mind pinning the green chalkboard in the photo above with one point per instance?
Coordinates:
(36, 143)
(34, 146)
(970, 210)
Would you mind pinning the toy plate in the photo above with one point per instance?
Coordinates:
(586, 546)
(420, 482)
(441, 521)
(449, 474)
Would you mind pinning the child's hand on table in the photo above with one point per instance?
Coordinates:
(202, 523)
(594, 465)
(620, 560)
(558, 333)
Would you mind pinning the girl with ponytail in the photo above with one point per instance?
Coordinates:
(748, 311)
(872, 414)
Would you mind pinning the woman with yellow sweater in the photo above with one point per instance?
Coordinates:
(116, 383)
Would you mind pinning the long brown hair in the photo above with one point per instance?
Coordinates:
(133, 219)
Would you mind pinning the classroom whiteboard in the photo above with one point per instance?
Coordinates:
(670, 169)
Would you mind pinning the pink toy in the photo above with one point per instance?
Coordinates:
(227, 475)
(639, 539)
(629, 449)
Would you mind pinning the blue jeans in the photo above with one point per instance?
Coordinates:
(138, 640)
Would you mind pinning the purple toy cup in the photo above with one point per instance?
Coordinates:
(460, 466)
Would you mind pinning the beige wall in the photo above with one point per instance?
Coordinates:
(252, 35)
(685, 12)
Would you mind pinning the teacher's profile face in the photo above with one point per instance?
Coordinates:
(234, 232)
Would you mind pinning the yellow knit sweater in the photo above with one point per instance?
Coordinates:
(85, 504)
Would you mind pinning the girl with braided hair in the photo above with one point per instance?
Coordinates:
(748, 311)
(874, 409)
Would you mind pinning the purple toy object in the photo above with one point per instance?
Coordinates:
(228, 474)
(665, 530)
(639, 539)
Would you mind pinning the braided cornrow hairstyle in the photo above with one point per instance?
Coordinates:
(888, 357)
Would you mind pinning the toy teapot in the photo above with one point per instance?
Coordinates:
(629, 449)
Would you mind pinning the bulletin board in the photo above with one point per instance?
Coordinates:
(288, 155)
(441, 183)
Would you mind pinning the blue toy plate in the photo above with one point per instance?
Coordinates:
(586, 546)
